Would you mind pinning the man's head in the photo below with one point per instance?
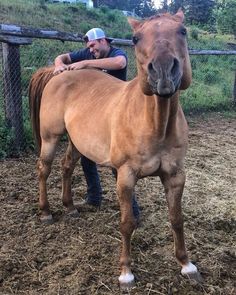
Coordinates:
(97, 42)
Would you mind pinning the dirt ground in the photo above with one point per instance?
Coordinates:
(80, 256)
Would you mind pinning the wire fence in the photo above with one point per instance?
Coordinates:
(213, 82)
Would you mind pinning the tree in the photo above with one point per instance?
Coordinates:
(199, 12)
(143, 8)
(164, 5)
(225, 14)
(95, 3)
(175, 5)
(114, 4)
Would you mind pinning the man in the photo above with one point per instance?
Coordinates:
(98, 54)
(101, 55)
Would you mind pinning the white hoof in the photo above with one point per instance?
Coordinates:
(189, 269)
(126, 281)
(127, 278)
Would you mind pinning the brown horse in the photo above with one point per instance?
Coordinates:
(136, 127)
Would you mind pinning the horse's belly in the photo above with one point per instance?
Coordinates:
(91, 146)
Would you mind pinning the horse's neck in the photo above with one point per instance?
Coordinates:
(161, 113)
(150, 113)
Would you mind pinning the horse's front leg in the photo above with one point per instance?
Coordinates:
(174, 185)
(68, 165)
(125, 186)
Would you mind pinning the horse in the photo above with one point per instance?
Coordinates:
(136, 127)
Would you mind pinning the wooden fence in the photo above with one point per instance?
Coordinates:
(12, 37)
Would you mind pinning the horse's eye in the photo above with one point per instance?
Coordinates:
(135, 39)
(183, 31)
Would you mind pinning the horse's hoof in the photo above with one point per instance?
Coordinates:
(46, 219)
(126, 281)
(74, 213)
(191, 271)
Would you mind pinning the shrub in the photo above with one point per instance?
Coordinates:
(194, 33)
(104, 9)
(84, 27)
(211, 75)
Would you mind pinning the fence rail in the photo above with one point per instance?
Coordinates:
(15, 79)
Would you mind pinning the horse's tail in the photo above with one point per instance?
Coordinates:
(36, 87)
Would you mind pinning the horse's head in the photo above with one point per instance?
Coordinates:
(162, 54)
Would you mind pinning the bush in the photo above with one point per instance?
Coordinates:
(84, 27)
(211, 75)
(194, 33)
(104, 9)
(5, 139)
(93, 13)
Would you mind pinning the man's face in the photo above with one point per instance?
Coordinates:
(99, 48)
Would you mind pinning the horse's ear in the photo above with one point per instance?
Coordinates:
(134, 23)
(180, 15)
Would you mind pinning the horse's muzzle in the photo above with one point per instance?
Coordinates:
(164, 79)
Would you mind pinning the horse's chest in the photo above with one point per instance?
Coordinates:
(163, 161)
(149, 165)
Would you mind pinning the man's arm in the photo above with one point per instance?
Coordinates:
(61, 63)
(109, 63)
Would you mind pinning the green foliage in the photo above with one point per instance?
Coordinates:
(211, 75)
(104, 9)
(198, 12)
(111, 17)
(174, 5)
(68, 18)
(5, 139)
(84, 27)
(194, 33)
(225, 14)
(142, 8)
(211, 89)
(204, 98)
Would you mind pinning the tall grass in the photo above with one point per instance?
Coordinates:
(212, 87)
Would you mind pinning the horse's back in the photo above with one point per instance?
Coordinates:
(85, 86)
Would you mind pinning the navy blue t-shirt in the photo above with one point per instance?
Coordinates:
(85, 54)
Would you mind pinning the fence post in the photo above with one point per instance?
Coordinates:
(12, 93)
(234, 90)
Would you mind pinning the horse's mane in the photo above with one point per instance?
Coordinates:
(36, 87)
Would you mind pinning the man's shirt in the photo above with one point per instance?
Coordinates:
(85, 54)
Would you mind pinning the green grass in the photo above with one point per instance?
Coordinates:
(63, 17)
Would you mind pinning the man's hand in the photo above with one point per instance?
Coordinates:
(60, 69)
(77, 65)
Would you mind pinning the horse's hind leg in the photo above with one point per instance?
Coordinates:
(47, 154)
(125, 187)
(174, 185)
(68, 165)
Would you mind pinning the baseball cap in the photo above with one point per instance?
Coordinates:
(95, 34)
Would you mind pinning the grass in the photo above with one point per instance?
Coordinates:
(68, 18)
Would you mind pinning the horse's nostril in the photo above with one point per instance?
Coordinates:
(175, 67)
(152, 70)
(150, 67)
